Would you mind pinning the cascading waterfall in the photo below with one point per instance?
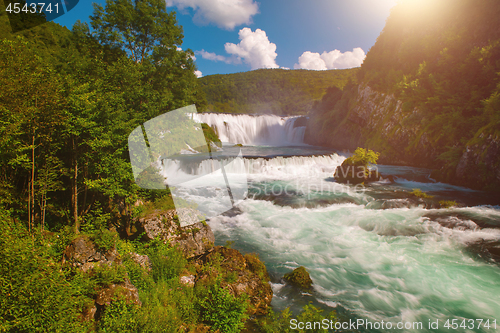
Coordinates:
(278, 167)
(254, 130)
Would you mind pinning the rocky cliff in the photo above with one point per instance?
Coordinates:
(377, 121)
(382, 122)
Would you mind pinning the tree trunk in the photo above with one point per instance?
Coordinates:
(31, 203)
(74, 190)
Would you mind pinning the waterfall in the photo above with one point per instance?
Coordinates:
(254, 130)
(277, 167)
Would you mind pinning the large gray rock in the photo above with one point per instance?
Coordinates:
(193, 240)
(84, 254)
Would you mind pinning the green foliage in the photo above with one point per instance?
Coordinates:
(34, 294)
(257, 266)
(442, 59)
(280, 323)
(120, 316)
(276, 323)
(274, 91)
(221, 310)
(362, 157)
(104, 239)
(447, 203)
(210, 135)
(310, 313)
(104, 274)
(167, 262)
(420, 194)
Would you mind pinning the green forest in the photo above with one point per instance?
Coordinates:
(271, 91)
(428, 93)
(72, 258)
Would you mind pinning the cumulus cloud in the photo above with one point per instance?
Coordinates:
(254, 49)
(198, 73)
(331, 60)
(226, 14)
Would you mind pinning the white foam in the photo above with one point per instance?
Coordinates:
(254, 130)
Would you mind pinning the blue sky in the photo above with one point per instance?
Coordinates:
(231, 36)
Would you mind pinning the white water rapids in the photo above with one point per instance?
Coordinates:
(374, 253)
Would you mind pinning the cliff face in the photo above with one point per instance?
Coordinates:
(428, 94)
(479, 165)
(377, 121)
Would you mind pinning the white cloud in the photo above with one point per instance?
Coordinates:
(310, 60)
(198, 73)
(254, 48)
(331, 60)
(216, 57)
(225, 14)
(211, 56)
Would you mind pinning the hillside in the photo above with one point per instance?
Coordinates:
(428, 93)
(276, 91)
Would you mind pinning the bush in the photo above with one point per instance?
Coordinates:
(420, 194)
(120, 316)
(362, 157)
(167, 262)
(447, 203)
(104, 239)
(276, 323)
(221, 310)
(311, 313)
(105, 274)
(34, 294)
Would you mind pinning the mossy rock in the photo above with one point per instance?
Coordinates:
(300, 278)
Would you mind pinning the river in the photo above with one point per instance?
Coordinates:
(374, 252)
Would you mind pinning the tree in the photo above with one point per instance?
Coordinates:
(31, 111)
(151, 38)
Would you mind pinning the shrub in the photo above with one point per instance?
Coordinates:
(104, 239)
(280, 323)
(310, 313)
(120, 316)
(221, 310)
(105, 274)
(167, 262)
(362, 157)
(34, 294)
(95, 220)
(276, 323)
(447, 203)
(420, 194)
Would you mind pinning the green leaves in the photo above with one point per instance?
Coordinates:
(34, 295)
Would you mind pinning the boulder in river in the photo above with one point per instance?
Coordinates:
(300, 278)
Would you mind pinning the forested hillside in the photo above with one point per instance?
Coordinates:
(276, 91)
(428, 93)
